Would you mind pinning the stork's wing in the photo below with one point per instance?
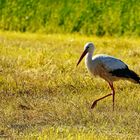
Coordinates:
(112, 63)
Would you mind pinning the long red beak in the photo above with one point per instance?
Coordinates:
(83, 54)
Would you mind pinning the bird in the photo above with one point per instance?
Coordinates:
(107, 67)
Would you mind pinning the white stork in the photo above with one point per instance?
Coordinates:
(107, 67)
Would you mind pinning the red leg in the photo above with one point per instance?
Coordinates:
(113, 93)
(95, 102)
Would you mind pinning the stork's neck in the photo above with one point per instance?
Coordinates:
(88, 59)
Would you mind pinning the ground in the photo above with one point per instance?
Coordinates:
(45, 96)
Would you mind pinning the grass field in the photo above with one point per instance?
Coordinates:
(45, 96)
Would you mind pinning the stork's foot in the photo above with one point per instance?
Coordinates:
(94, 104)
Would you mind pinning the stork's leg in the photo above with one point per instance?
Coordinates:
(113, 94)
(95, 102)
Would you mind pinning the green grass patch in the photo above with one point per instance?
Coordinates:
(98, 17)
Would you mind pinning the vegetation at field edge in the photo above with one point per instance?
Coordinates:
(98, 17)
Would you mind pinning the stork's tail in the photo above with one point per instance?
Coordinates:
(135, 77)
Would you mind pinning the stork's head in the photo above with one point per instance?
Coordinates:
(88, 48)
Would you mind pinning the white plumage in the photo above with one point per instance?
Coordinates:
(111, 63)
(107, 67)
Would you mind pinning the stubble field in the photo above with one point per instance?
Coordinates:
(43, 95)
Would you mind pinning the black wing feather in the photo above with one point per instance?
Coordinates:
(126, 73)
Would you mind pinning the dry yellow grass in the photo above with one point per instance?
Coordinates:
(44, 96)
